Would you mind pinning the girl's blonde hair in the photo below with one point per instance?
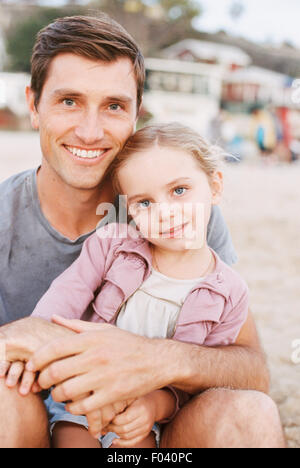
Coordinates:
(172, 135)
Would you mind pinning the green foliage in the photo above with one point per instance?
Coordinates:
(20, 39)
(180, 9)
(172, 10)
(145, 19)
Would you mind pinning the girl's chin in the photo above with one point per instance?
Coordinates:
(177, 245)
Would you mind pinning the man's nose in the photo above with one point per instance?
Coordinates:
(90, 129)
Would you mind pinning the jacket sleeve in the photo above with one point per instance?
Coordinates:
(71, 293)
(231, 321)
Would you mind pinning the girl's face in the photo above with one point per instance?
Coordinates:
(170, 197)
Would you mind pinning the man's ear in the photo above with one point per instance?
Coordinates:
(217, 187)
(34, 116)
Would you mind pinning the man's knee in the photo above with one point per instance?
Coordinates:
(226, 418)
(244, 418)
(24, 421)
(241, 419)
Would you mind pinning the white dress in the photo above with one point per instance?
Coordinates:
(152, 311)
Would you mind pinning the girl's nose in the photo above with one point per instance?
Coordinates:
(169, 211)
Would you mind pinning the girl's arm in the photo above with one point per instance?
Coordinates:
(71, 293)
(165, 404)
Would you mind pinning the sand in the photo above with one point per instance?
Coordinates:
(261, 206)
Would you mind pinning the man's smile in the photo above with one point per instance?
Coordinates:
(85, 153)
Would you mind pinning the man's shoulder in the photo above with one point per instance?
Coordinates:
(14, 196)
(11, 186)
(219, 239)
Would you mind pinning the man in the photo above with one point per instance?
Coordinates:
(85, 95)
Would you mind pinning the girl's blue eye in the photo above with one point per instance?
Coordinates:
(180, 191)
(144, 204)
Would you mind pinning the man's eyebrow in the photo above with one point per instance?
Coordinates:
(119, 98)
(124, 98)
(66, 92)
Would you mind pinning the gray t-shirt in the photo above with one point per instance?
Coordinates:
(33, 253)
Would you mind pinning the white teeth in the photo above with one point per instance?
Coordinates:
(85, 153)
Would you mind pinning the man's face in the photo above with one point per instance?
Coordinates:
(87, 111)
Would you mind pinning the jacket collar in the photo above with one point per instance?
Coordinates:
(215, 281)
(139, 247)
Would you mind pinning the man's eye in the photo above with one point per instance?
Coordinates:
(114, 107)
(69, 102)
(180, 191)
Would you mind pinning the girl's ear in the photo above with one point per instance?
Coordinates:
(34, 116)
(217, 187)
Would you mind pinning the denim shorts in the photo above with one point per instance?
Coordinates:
(57, 413)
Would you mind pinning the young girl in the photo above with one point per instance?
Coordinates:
(156, 277)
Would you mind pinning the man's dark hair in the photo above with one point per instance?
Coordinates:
(95, 38)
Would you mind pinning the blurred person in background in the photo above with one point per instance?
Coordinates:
(264, 131)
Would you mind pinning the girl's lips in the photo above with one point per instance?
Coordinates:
(174, 231)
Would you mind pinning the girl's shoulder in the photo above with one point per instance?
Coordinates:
(227, 281)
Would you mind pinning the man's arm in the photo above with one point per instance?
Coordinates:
(239, 366)
(116, 365)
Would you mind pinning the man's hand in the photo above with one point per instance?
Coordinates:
(19, 340)
(109, 363)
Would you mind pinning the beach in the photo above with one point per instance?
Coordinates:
(261, 207)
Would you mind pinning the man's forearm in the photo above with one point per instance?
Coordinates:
(196, 368)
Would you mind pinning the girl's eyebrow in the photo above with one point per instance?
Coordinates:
(136, 197)
(177, 181)
(171, 184)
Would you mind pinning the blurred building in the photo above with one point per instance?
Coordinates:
(212, 53)
(181, 92)
(245, 87)
(13, 107)
(216, 89)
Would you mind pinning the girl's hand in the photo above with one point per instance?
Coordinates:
(98, 420)
(136, 423)
(13, 372)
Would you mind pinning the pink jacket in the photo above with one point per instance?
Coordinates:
(114, 263)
